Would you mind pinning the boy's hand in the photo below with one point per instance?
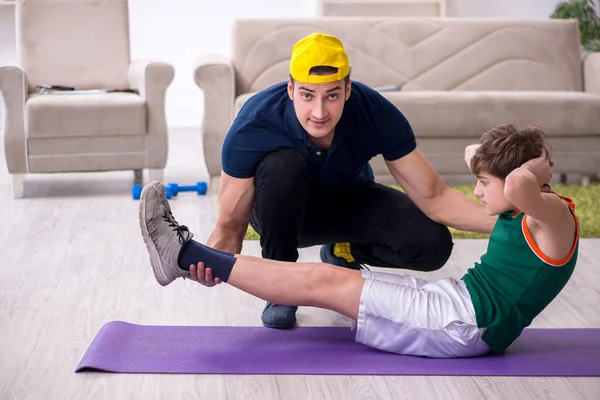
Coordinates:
(203, 275)
(541, 168)
(470, 152)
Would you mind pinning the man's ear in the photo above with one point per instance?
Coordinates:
(348, 89)
(290, 89)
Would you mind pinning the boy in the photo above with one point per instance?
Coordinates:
(531, 254)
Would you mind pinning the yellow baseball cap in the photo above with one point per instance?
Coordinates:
(318, 49)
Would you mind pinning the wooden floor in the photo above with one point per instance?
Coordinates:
(73, 259)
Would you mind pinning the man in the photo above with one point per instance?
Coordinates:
(295, 165)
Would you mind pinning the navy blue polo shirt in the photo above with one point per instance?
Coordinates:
(370, 125)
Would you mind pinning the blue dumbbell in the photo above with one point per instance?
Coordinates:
(136, 192)
(199, 188)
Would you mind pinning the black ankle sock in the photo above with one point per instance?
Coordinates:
(221, 262)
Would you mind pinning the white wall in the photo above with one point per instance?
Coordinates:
(180, 31)
(8, 52)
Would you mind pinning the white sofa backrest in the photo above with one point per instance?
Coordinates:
(80, 43)
(421, 54)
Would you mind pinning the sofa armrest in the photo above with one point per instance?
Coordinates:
(215, 76)
(152, 79)
(13, 87)
(591, 73)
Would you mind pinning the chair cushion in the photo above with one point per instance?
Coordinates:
(110, 114)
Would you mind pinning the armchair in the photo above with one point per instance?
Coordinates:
(83, 44)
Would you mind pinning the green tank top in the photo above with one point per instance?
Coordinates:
(514, 281)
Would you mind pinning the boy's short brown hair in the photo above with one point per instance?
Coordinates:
(507, 147)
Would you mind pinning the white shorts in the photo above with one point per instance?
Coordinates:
(407, 315)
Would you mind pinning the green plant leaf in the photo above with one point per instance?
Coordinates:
(586, 13)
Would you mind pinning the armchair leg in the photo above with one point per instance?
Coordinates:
(214, 184)
(18, 185)
(562, 178)
(155, 175)
(138, 176)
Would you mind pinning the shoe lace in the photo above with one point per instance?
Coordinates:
(183, 233)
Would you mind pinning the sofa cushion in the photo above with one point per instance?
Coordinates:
(470, 113)
(110, 114)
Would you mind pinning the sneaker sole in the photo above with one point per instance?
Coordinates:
(271, 326)
(159, 272)
(279, 326)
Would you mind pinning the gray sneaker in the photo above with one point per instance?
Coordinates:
(278, 316)
(163, 236)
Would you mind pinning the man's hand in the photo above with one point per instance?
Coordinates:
(541, 168)
(469, 153)
(203, 275)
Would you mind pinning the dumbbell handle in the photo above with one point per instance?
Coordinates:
(187, 188)
(199, 187)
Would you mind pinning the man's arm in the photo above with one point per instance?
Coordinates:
(236, 201)
(436, 199)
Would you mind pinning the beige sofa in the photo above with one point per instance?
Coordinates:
(453, 79)
(82, 44)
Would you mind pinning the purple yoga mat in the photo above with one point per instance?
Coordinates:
(128, 348)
